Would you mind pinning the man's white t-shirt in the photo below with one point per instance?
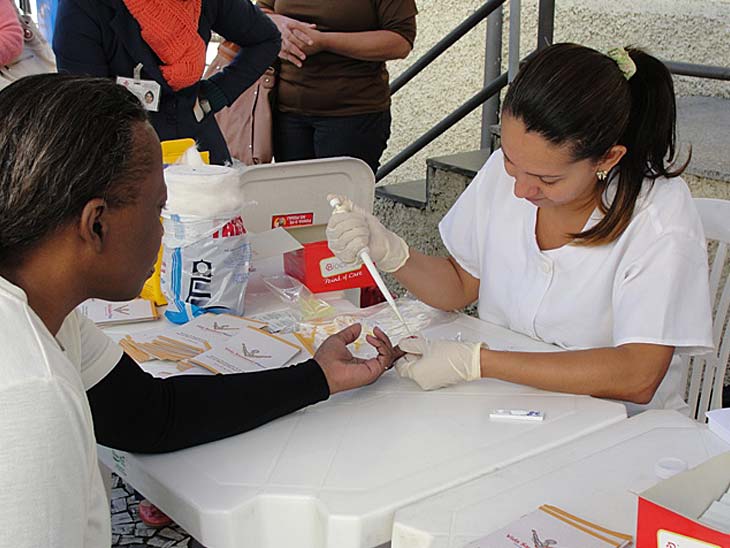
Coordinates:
(51, 493)
(648, 286)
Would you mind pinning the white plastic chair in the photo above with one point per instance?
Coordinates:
(706, 374)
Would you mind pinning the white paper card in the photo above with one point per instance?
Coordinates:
(250, 350)
(106, 313)
(211, 329)
(542, 530)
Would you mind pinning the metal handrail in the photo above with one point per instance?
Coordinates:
(699, 71)
(445, 43)
(491, 90)
(473, 103)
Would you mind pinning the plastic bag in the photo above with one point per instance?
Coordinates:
(299, 298)
(418, 315)
(206, 255)
(205, 266)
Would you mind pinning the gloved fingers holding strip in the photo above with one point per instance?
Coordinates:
(435, 364)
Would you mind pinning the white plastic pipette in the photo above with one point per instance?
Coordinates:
(370, 265)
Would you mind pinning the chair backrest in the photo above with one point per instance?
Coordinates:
(706, 374)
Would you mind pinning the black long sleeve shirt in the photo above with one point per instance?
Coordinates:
(134, 411)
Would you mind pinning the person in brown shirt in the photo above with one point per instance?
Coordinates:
(333, 96)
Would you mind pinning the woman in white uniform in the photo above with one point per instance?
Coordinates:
(578, 232)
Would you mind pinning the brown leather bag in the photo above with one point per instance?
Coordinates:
(246, 124)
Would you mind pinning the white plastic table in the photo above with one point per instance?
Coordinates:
(595, 477)
(333, 475)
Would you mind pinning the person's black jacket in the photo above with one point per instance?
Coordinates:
(101, 38)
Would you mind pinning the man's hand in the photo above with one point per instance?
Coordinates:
(342, 370)
(294, 38)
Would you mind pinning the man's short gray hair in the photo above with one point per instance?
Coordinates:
(64, 140)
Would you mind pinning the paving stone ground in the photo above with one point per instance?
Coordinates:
(128, 531)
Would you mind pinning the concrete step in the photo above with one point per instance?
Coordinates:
(702, 123)
(416, 193)
(462, 163)
(409, 193)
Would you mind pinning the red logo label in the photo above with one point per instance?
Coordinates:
(292, 219)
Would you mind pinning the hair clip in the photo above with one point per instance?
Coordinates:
(624, 61)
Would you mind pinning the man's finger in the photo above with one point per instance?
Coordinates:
(379, 333)
(382, 345)
(350, 333)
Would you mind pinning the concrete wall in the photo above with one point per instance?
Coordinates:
(694, 31)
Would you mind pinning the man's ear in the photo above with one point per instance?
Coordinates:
(93, 227)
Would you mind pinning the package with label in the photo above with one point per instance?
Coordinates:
(688, 510)
(318, 268)
(206, 253)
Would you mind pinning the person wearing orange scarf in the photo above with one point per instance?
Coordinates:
(169, 39)
(11, 33)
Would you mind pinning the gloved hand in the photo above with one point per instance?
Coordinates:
(439, 363)
(351, 229)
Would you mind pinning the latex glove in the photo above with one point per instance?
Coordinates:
(351, 229)
(439, 363)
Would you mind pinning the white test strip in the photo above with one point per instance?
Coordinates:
(516, 415)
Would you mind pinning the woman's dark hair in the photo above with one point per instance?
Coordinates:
(576, 96)
(64, 140)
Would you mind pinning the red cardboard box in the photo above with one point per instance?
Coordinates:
(668, 512)
(316, 267)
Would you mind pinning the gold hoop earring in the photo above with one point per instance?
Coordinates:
(602, 175)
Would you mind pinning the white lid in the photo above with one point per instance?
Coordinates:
(301, 188)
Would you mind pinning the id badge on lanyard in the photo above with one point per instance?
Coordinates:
(147, 91)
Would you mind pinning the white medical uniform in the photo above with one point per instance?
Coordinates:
(648, 286)
(51, 492)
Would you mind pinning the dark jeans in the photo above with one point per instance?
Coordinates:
(299, 137)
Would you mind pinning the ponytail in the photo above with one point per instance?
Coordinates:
(650, 140)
